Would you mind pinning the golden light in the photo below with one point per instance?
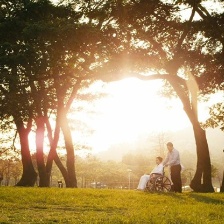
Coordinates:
(134, 108)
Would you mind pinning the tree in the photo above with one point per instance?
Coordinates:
(216, 120)
(21, 63)
(10, 167)
(168, 45)
(91, 170)
(43, 62)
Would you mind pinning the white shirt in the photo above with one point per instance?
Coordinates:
(158, 169)
(172, 158)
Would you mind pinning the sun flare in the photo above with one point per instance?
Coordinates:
(133, 108)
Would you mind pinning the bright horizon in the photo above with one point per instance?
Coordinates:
(134, 108)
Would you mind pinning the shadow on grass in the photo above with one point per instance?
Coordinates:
(196, 196)
(177, 196)
(206, 199)
(84, 208)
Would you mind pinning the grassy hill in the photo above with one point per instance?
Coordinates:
(54, 205)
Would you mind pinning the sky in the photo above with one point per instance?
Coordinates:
(131, 109)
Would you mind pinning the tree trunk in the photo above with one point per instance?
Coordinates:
(53, 154)
(63, 170)
(29, 175)
(43, 177)
(53, 146)
(222, 186)
(70, 175)
(202, 181)
(70, 153)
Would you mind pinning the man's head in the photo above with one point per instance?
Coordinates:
(169, 146)
(159, 160)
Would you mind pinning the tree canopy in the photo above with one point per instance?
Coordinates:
(48, 52)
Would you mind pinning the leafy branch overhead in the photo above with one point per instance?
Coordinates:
(216, 116)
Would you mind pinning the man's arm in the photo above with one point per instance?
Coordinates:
(165, 161)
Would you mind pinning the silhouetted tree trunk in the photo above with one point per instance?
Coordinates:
(53, 146)
(43, 178)
(70, 153)
(62, 169)
(222, 186)
(70, 175)
(29, 175)
(202, 180)
(53, 154)
(45, 171)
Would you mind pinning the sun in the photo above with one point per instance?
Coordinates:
(133, 108)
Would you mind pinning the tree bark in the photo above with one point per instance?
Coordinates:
(202, 181)
(62, 169)
(29, 175)
(53, 146)
(70, 153)
(222, 186)
(43, 177)
(53, 156)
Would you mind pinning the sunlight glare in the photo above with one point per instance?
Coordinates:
(132, 109)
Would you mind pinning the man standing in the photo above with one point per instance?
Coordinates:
(173, 160)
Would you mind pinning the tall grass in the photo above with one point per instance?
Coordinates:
(55, 205)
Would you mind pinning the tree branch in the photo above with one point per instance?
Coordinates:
(184, 34)
(73, 94)
(14, 140)
(29, 124)
(3, 89)
(203, 12)
(175, 81)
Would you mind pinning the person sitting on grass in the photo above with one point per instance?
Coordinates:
(146, 177)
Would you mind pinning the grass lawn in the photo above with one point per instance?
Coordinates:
(55, 205)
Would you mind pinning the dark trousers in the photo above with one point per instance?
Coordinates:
(176, 178)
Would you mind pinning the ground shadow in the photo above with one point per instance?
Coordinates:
(196, 196)
(178, 196)
(206, 199)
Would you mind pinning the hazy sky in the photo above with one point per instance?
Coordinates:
(131, 109)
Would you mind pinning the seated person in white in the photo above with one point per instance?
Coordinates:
(146, 177)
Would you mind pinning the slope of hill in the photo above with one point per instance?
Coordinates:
(183, 141)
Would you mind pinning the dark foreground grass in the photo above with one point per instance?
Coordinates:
(54, 205)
